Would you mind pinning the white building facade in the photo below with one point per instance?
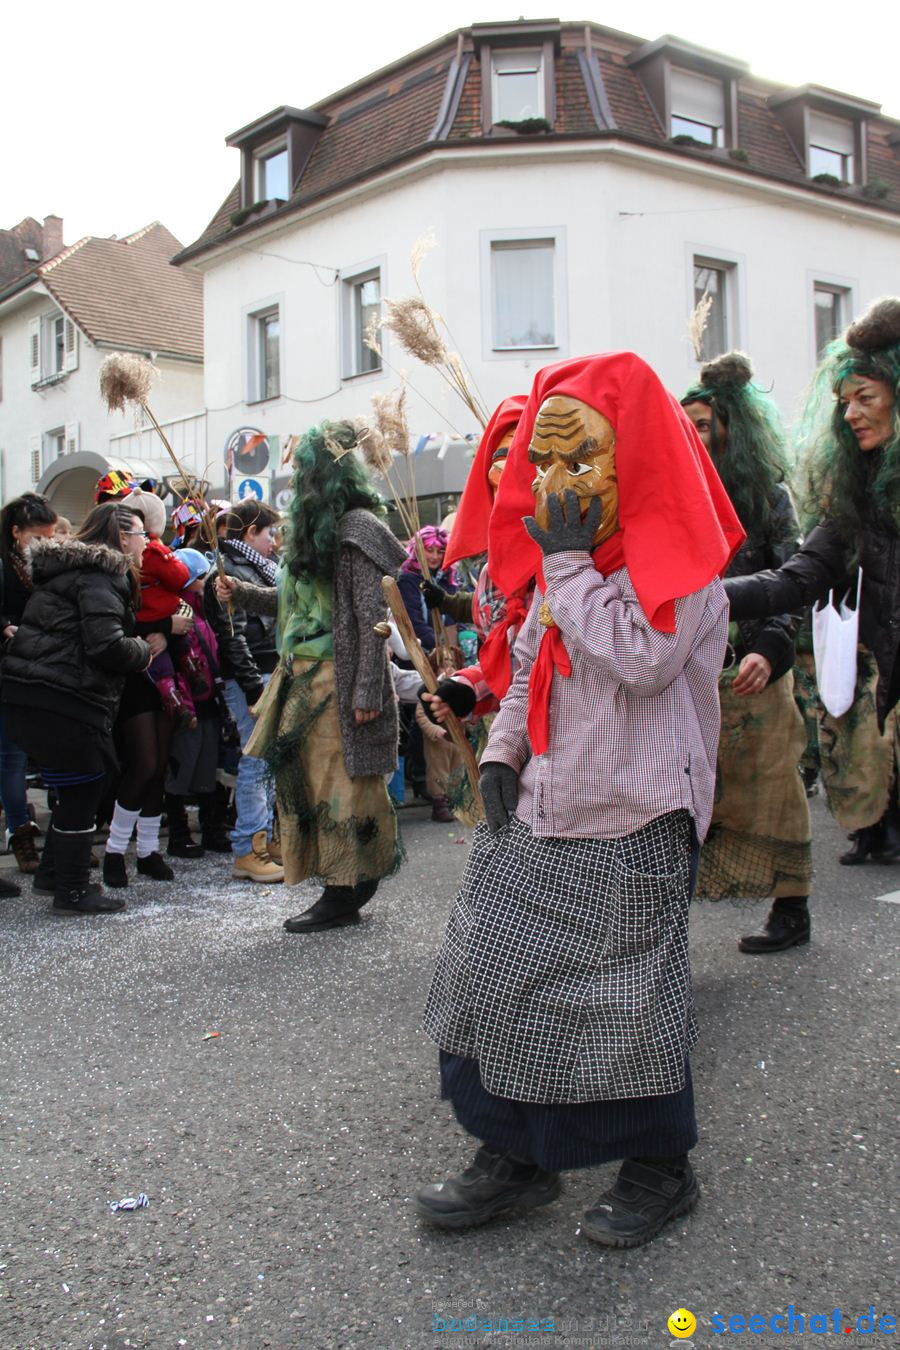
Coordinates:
(56, 327)
(593, 231)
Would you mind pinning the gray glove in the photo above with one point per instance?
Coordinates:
(566, 532)
(500, 792)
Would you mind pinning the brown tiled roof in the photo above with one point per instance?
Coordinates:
(28, 233)
(394, 114)
(126, 293)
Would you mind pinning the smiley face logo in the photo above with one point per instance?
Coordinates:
(682, 1323)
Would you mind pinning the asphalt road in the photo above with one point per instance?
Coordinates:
(280, 1157)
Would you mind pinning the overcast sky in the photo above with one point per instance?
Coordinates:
(113, 115)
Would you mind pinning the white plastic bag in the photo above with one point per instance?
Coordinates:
(835, 638)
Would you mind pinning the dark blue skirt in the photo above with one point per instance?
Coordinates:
(557, 1135)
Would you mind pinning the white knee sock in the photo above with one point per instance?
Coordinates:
(148, 835)
(120, 829)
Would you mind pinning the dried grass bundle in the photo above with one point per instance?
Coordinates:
(697, 321)
(375, 450)
(421, 248)
(415, 324)
(390, 419)
(126, 379)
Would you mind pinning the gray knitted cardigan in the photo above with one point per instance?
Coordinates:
(367, 552)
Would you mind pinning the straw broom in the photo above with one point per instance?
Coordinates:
(127, 379)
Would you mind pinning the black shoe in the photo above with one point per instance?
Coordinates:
(786, 926)
(495, 1183)
(363, 892)
(154, 867)
(90, 900)
(335, 908)
(9, 888)
(215, 841)
(887, 848)
(183, 846)
(114, 873)
(645, 1196)
(865, 842)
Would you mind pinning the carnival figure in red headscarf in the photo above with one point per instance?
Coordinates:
(561, 999)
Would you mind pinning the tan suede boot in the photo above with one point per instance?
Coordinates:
(257, 865)
(273, 847)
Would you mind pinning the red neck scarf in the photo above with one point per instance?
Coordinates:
(678, 530)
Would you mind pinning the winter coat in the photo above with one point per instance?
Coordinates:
(248, 652)
(823, 564)
(418, 611)
(772, 637)
(163, 577)
(74, 647)
(367, 553)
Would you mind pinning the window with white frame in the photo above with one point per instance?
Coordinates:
(523, 299)
(830, 313)
(832, 147)
(272, 174)
(714, 283)
(517, 85)
(264, 353)
(54, 445)
(52, 346)
(362, 309)
(697, 107)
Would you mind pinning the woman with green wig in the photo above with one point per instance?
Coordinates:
(328, 723)
(758, 844)
(851, 436)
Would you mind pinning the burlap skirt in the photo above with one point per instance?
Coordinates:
(859, 763)
(759, 840)
(334, 829)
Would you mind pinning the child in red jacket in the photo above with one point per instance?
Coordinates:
(163, 578)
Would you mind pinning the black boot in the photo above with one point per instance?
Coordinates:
(648, 1192)
(336, 907)
(213, 813)
(9, 889)
(788, 925)
(74, 893)
(155, 867)
(865, 842)
(363, 892)
(496, 1182)
(44, 879)
(180, 844)
(887, 848)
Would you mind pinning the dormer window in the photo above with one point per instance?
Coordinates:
(272, 174)
(698, 107)
(517, 85)
(832, 143)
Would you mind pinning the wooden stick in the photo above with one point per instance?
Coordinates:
(420, 661)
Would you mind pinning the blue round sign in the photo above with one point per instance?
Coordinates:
(250, 487)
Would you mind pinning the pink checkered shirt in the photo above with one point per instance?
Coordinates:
(635, 727)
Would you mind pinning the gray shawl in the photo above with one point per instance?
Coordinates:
(367, 552)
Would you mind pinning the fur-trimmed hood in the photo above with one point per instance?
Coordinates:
(47, 559)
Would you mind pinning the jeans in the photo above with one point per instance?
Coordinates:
(13, 765)
(254, 795)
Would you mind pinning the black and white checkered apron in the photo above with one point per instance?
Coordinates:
(564, 971)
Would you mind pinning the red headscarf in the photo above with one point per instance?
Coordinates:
(677, 527)
(469, 535)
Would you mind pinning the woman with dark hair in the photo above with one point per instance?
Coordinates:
(334, 724)
(759, 839)
(247, 657)
(26, 518)
(851, 434)
(62, 682)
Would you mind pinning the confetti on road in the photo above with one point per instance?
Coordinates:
(211, 1035)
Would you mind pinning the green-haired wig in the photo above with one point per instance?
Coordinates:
(848, 486)
(328, 482)
(752, 462)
